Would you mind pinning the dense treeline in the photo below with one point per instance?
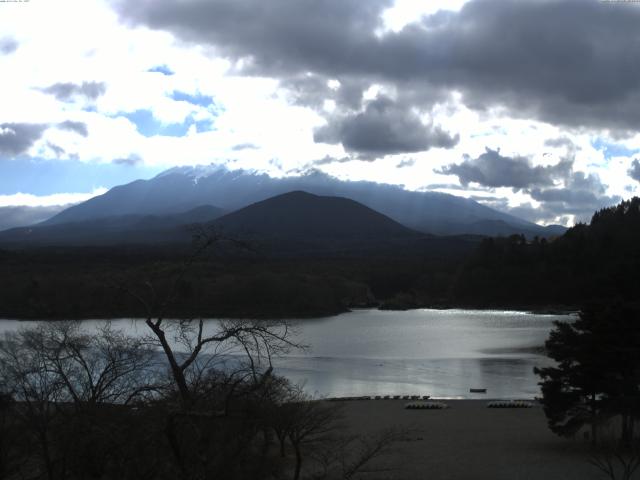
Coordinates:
(596, 261)
(88, 283)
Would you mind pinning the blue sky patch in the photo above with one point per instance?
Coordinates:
(149, 126)
(613, 149)
(46, 177)
(163, 69)
(195, 99)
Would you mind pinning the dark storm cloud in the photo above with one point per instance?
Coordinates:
(570, 62)
(383, 128)
(66, 91)
(312, 91)
(8, 45)
(78, 127)
(581, 195)
(17, 138)
(494, 170)
(634, 171)
(277, 36)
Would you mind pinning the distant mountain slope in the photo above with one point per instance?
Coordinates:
(301, 215)
(179, 189)
(114, 230)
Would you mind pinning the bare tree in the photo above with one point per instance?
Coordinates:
(186, 342)
(26, 377)
(103, 366)
(58, 374)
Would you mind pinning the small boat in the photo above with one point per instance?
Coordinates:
(478, 390)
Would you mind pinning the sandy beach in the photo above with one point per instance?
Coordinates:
(470, 441)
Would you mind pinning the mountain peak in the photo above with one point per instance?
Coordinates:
(299, 214)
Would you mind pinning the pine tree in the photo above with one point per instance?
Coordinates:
(597, 375)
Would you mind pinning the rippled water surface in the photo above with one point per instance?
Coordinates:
(442, 353)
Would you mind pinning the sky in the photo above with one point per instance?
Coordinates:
(527, 106)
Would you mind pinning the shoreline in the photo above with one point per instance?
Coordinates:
(311, 316)
(421, 398)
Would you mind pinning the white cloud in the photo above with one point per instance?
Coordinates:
(55, 47)
(29, 200)
(406, 11)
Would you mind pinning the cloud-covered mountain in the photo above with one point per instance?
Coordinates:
(179, 189)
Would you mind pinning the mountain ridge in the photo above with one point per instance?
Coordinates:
(181, 188)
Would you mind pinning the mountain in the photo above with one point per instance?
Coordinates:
(182, 188)
(115, 230)
(21, 216)
(301, 215)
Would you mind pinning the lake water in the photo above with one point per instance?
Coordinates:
(442, 353)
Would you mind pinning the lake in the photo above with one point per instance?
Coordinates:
(442, 353)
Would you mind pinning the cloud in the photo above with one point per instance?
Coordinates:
(20, 216)
(327, 160)
(568, 62)
(383, 128)
(244, 146)
(29, 200)
(581, 195)
(313, 90)
(408, 162)
(56, 149)
(526, 211)
(8, 45)
(494, 170)
(131, 160)
(66, 91)
(634, 171)
(17, 138)
(78, 127)
(560, 142)
(279, 36)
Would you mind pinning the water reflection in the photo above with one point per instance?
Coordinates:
(502, 377)
(442, 353)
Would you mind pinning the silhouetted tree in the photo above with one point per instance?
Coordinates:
(597, 375)
(259, 340)
(60, 376)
